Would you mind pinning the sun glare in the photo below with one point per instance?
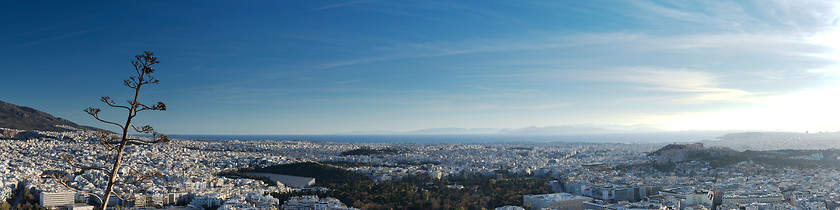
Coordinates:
(812, 110)
(829, 38)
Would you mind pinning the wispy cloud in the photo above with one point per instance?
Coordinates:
(54, 38)
(344, 82)
(67, 23)
(652, 8)
(693, 86)
(33, 31)
(721, 25)
(508, 90)
(444, 106)
(543, 106)
(439, 49)
(333, 6)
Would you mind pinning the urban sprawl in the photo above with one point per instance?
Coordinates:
(584, 175)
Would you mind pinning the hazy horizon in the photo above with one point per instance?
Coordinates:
(331, 67)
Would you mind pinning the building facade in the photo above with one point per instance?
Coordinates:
(558, 201)
(55, 199)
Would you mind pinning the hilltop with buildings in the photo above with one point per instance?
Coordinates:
(722, 156)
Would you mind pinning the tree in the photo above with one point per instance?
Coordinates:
(115, 143)
(5, 206)
(143, 67)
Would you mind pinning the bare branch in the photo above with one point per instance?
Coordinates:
(95, 113)
(136, 129)
(137, 65)
(156, 137)
(160, 106)
(129, 83)
(146, 129)
(143, 107)
(140, 177)
(106, 139)
(92, 111)
(72, 163)
(107, 100)
(108, 145)
(139, 141)
(159, 138)
(152, 80)
(111, 103)
(60, 180)
(104, 135)
(118, 196)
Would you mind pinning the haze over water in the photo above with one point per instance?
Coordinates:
(659, 137)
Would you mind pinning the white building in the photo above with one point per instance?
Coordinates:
(509, 208)
(747, 197)
(312, 202)
(288, 180)
(689, 196)
(207, 200)
(54, 199)
(78, 207)
(555, 201)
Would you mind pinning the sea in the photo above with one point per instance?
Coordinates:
(649, 137)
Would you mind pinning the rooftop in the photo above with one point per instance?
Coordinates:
(558, 197)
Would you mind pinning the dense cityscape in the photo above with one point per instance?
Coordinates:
(431, 104)
(580, 175)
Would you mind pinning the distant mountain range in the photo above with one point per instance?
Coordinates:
(533, 130)
(739, 140)
(28, 119)
(25, 118)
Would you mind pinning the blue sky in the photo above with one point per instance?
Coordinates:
(321, 67)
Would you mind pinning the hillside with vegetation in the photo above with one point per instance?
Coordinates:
(666, 148)
(26, 118)
(411, 192)
(822, 159)
(324, 175)
(721, 157)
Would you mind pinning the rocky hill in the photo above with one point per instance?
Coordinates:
(25, 118)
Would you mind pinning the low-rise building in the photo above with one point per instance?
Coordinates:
(509, 208)
(748, 197)
(78, 206)
(689, 196)
(310, 202)
(555, 201)
(55, 199)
